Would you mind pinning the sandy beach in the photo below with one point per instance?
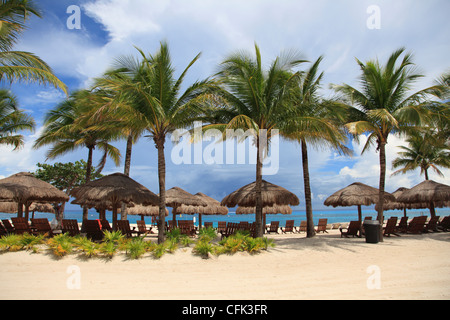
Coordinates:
(324, 267)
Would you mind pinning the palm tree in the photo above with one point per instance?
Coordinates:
(12, 120)
(384, 105)
(314, 121)
(424, 152)
(18, 65)
(152, 93)
(254, 99)
(71, 125)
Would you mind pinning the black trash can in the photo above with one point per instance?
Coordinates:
(372, 230)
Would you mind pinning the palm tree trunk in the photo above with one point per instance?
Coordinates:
(382, 146)
(159, 141)
(432, 208)
(258, 213)
(126, 171)
(310, 232)
(88, 177)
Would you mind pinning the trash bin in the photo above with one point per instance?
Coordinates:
(372, 230)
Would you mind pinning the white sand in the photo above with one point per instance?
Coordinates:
(324, 267)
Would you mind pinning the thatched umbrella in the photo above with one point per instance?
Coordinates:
(143, 211)
(213, 207)
(356, 194)
(271, 195)
(428, 191)
(114, 190)
(176, 197)
(275, 209)
(24, 188)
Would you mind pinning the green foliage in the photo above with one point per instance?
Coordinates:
(203, 249)
(207, 234)
(11, 242)
(61, 245)
(29, 241)
(136, 247)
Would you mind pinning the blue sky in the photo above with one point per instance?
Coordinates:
(336, 29)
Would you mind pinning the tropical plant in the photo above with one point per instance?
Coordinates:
(203, 248)
(151, 92)
(11, 242)
(254, 99)
(12, 120)
(314, 121)
(384, 105)
(61, 245)
(19, 65)
(136, 247)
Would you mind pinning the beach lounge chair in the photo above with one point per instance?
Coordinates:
(391, 226)
(417, 224)
(352, 229)
(187, 227)
(208, 225)
(403, 225)
(222, 226)
(322, 226)
(230, 229)
(105, 225)
(273, 227)
(8, 226)
(93, 230)
(21, 226)
(3, 231)
(302, 227)
(124, 227)
(432, 224)
(444, 225)
(42, 226)
(243, 226)
(71, 227)
(142, 227)
(289, 226)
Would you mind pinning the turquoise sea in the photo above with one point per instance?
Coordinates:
(333, 216)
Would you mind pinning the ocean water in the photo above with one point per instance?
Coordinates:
(333, 216)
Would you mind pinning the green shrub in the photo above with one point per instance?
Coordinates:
(11, 242)
(136, 247)
(61, 245)
(203, 249)
(29, 241)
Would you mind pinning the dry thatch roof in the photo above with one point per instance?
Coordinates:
(213, 207)
(427, 191)
(176, 197)
(271, 195)
(113, 190)
(24, 187)
(356, 194)
(145, 210)
(283, 209)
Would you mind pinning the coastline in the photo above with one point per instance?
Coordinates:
(323, 267)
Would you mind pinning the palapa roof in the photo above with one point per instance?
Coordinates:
(23, 187)
(213, 207)
(427, 191)
(112, 190)
(176, 197)
(271, 195)
(283, 209)
(356, 194)
(145, 210)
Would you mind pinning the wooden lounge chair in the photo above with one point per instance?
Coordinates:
(289, 226)
(222, 226)
(243, 226)
(273, 227)
(3, 231)
(230, 230)
(42, 226)
(302, 227)
(105, 225)
(444, 225)
(403, 225)
(417, 224)
(352, 229)
(142, 227)
(8, 226)
(391, 226)
(71, 227)
(322, 226)
(208, 224)
(432, 225)
(187, 227)
(124, 227)
(21, 226)
(93, 230)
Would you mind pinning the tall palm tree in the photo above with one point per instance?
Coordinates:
(151, 91)
(19, 65)
(314, 121)
(384, 105)
(70, 126)
(254, 99)
(12, 120)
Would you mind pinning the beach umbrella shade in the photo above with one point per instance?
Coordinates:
(145, 211)
(24, 188)
(428, 191)
(114, 190)
(213, 207)
(275, 209)
(356, 194)
(176, 197)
